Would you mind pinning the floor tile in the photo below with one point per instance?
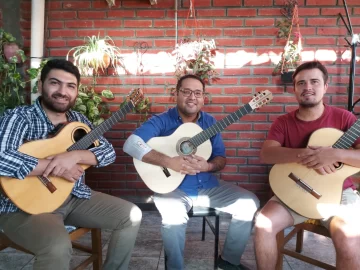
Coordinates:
(148, 251)
(14, 260)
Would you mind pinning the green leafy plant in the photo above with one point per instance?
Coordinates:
(196, 57)
(12, 82)
(35, 74)
(291, 56)
(96, 55)
(91, 104)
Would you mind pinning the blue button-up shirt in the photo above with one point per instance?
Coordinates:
(29, 123)
(165, 124)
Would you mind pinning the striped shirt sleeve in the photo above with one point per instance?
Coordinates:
(13, 163)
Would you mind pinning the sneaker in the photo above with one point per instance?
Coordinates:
(225, 265)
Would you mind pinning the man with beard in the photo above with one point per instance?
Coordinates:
(45, 234)
(200, 187)
(287, 143)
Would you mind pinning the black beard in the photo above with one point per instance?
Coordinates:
(47, 103)
(308, 105)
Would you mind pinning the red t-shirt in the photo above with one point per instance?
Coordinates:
(292, 132)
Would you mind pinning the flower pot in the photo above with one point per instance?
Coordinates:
(286, 77)
(106, 60)
(11, 50)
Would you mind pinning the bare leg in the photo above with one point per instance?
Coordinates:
(346, 238)
(272, 219)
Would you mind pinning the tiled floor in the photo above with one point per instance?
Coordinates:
(148, 253)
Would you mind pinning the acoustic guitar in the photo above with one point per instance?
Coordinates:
(307, 192)
(38, 194)
(189, 139)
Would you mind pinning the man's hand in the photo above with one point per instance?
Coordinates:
(326, 169)
(61, 163)
(182, 165)
(323, 159)
(198, 162)
(73, 174)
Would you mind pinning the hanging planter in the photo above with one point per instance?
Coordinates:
(96, 55)
(286, 77)
(291, 56)
(196, 57)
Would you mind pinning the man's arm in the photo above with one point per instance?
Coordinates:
(323, 156)
(272, 153)
(137, 148)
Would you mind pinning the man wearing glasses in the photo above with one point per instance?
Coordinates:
(200, 187)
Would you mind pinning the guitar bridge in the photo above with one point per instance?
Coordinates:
(166, 172)
(305, 186)
(47, 183)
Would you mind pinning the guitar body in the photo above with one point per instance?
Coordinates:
(153, 175)
(30, 194)
(329, 186)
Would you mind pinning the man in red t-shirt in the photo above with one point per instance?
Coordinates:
(287, 143)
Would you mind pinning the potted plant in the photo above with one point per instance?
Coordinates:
(291, 56)
(96, 55)
(196, 57)
(12, 81)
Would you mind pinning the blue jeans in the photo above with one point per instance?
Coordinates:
(228, 198)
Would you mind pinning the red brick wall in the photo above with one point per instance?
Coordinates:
(245, 33)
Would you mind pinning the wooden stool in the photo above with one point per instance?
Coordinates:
(95, 250)
(309, 225)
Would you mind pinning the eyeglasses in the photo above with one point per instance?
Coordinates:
(188, 92)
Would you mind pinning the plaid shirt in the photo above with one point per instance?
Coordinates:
(29, 123)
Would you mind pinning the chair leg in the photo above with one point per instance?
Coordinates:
(299, 241)
(203, 230)
(96, 248)
(216, 251)
(280, 244)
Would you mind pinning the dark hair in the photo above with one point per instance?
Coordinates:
(312, 65)
(59, 64)
(189, 76)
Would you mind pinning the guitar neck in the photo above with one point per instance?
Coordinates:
(220, 125)
(349, 137)
(93, 135)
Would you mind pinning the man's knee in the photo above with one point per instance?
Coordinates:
(272, 219)
(58, 249)
(263, 224)
(346, 238)
(135, 216)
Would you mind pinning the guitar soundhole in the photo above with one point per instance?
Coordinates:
(78, 134)
(187, 148)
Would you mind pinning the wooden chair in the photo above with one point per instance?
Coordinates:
(311, 226)
(95, 250)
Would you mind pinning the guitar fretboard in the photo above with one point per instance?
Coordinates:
(219, 126)
(349, 137)
(93, 135)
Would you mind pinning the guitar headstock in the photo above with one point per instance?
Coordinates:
(136, 96)
(260, 99)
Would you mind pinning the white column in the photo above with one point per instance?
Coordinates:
(37, 36)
